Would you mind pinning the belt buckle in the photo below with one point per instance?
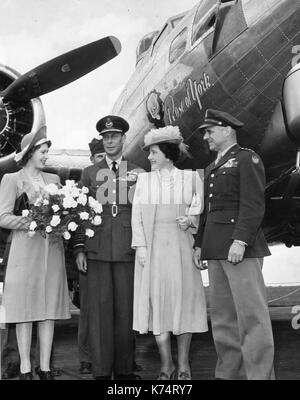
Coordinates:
(114, 210)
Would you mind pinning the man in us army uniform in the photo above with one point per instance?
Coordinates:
(108, 256)
(230, 238)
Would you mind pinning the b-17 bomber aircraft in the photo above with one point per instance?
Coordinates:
(239, 56)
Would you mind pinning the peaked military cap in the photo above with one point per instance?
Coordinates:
(96, 146)
(112, 123)
(220, 118)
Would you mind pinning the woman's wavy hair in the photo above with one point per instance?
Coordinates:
(170, 150)
(24, 160)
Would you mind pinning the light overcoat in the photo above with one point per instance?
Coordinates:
(188, 194)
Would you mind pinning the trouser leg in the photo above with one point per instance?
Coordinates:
(224, 324)
(83, 334)
(100, 317)
(9, 346)
(255, 330)
(123, 274)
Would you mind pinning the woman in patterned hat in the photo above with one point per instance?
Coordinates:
(35, 283)
(168, 291)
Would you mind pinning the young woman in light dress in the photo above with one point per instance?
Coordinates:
(35, 286)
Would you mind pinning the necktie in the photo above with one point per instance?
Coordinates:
(114, 167)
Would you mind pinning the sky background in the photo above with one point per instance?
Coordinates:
(34, 31)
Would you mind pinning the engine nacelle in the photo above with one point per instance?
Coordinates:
(282, 138)
(16, 120)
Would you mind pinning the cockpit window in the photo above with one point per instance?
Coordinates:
(174, 21)
(204, 19)
(145, 44)
(178, 45)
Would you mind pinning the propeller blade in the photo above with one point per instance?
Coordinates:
(62, 70)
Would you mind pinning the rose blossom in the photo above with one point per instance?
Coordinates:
(97, 220)
(89, 233)
(55, 207)
(84, 215)
(67, 235)
(55, 220)
(72, 226)
(32, 226)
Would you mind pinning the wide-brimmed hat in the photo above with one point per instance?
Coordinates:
(167, 134)
(32, 139)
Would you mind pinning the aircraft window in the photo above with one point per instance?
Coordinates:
(144, 44)
(178, 45)
(176, 20)
(202, 25)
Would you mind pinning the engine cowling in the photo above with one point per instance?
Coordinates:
(16, 120)
(282, 138)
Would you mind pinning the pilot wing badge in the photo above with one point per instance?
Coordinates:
(232, 163)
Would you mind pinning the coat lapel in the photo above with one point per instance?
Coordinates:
(229, 154)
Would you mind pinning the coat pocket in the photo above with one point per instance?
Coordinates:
(224, 217)
(127, 236)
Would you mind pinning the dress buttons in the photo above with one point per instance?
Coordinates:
(212, 175)
(232, 220)
(211, 185)
(211, 195)
(114, 191)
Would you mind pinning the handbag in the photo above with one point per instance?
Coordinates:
(21, 203)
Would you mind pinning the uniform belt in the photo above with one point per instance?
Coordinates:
(115, 209)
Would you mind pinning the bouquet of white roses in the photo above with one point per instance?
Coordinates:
(61, 210)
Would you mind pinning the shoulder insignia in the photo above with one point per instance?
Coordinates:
(246, 149)
(255, 159)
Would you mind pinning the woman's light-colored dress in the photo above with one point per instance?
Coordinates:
(35, 286)
(168, 290)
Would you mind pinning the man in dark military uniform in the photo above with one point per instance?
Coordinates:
(231, 240)
(97, 155)
(108, 256)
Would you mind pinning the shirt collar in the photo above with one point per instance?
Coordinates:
(110, 161)
(222, 154)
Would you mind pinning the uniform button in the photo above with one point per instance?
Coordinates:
(211, 195)
(212, 175)
(224, 173)
(232, 220)
(211, 185)
(114, 191)
(114, 180)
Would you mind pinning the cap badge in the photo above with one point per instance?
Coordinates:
(255, 159)
(109, 124)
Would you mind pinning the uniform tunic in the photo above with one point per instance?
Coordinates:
(234, 209)
(36, 283)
